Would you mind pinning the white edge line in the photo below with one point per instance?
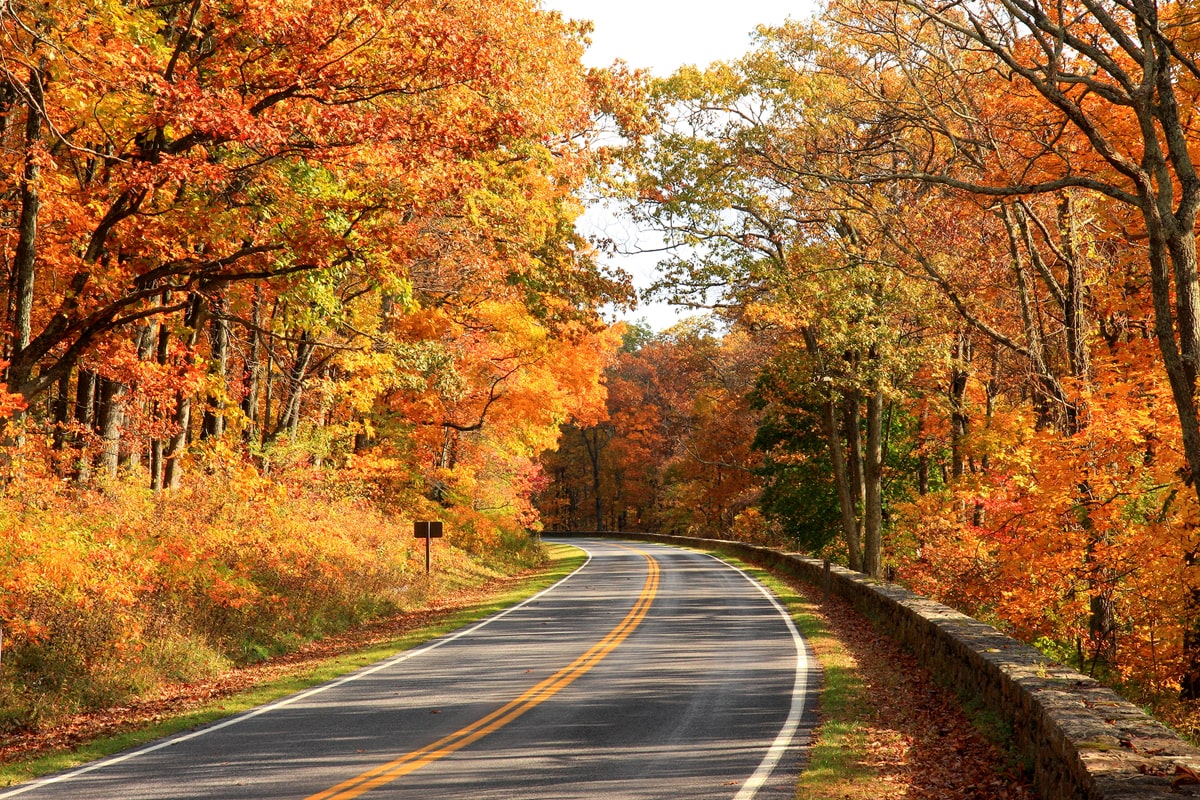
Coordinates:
(287, 701)
(799, 688)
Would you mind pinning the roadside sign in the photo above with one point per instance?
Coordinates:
(428, 530)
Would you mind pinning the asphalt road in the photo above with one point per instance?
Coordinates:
(651, 672)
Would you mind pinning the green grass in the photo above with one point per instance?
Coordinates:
(563, 560)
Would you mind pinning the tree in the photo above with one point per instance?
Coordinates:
(226, 200)
(674, 448)
(1105, 91)
(778, 250)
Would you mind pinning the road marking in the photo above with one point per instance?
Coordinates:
(411, 762)
(287, 701)
(799, 689)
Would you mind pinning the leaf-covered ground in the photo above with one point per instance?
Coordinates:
(895, 732)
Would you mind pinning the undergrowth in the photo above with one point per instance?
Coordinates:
(110, 592)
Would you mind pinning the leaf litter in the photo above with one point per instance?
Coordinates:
(916, 740)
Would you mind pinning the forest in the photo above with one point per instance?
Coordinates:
(281, 279)
(284, 277)
(947, 257)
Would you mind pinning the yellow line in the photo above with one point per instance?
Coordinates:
(386, 773)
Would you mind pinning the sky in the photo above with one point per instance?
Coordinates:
(663, 35)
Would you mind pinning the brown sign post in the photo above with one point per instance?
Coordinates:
(427, 531)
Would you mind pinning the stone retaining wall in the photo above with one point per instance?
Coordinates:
(1080, 738)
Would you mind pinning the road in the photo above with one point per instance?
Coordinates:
(651, 672)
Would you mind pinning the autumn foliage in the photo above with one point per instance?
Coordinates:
(950, 256)
(282, 278)
(672, 451)
(109, 594)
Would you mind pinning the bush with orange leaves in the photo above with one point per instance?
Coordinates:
(1076, 543)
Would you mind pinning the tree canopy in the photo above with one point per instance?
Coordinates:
(951, 248)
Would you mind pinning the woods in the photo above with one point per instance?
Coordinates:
(282, 277)
(948, 254)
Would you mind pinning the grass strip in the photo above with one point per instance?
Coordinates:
(563, 559)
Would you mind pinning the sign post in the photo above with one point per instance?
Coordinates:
(427, 531)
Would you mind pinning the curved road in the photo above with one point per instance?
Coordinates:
(650, 672)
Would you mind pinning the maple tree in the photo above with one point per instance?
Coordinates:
(1069, 128)
(299, 253)
(342, 158)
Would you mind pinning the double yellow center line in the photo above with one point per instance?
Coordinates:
(386, 773)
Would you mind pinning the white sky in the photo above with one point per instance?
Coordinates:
(663, 35)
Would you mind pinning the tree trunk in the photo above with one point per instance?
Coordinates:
(959, 421)
(213, 425)
(112, 394)
(252, 373)
(25, 255)
(923, 454)
(841, 477)
(60, 411)
(268, 396)
(842, 472)
(133, 449)
(873, 486)
(85, 398)
(157, 445)
(851, 430)
(172, 459)
(594, 447)
(289, 419)
(1074, 309)
(172, 466)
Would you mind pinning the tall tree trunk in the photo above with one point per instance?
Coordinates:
(831, 427)
(841, 477)
(112, 394)
(252, 370)
(173, 466)
(923, 454)
(25, 256)
(873, 486)
(594, 447)
(268, 396)
(289, 419)
(157, 464)
(177, 444)
(959, 421)
(213, 425)
(60, 410)
(162, 352)
(1075, 308)
(85, 408)
(132, 450)
(852, 432)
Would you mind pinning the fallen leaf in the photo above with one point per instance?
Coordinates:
(1185, 776)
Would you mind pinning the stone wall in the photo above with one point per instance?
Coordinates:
(1080, 739)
